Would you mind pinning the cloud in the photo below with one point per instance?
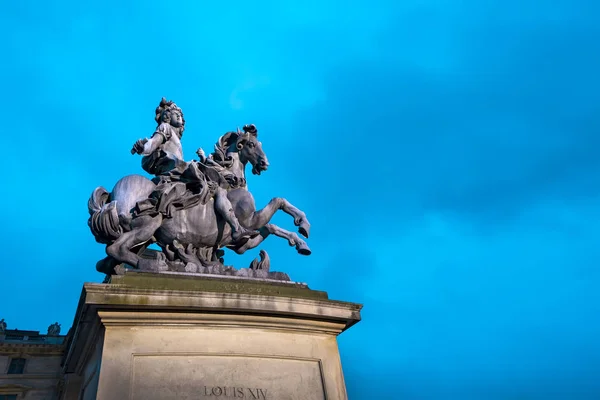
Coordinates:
(509, 120)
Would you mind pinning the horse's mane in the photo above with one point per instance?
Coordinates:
(220, 155)
(229, 139)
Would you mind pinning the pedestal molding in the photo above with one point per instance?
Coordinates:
(109, 295)
(156, 320)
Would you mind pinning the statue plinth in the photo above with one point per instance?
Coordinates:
(173, 336)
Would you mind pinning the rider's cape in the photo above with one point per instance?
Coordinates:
(183, 188)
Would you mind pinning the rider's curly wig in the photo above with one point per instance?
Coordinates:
(163, 112)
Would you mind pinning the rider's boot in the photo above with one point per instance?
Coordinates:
(223, 207)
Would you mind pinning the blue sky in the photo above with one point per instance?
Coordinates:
(446, 153)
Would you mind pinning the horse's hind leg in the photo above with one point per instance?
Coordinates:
(252, 242)
(107, 265)
(143, 229)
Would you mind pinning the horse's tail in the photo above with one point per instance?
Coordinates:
(104, 220)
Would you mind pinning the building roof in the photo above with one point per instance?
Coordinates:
(17, 340)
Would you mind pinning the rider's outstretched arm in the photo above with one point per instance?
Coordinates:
(152, 144)
(148, 146)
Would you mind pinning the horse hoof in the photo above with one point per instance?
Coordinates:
(304, 229)
(107, 265)
(304, 250)
(120, 269)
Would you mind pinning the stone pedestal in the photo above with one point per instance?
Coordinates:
(172, 336)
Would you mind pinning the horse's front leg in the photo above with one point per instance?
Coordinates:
(262, 217)
(271, 229)
(292, 238)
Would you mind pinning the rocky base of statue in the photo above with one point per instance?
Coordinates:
(155, 261)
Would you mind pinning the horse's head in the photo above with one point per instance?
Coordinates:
(167, 112)
(250, 149)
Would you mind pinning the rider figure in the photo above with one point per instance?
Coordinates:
(163, 157)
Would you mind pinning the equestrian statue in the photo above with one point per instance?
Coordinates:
(191, 209)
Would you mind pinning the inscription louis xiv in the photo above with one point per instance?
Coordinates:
(234, 392)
